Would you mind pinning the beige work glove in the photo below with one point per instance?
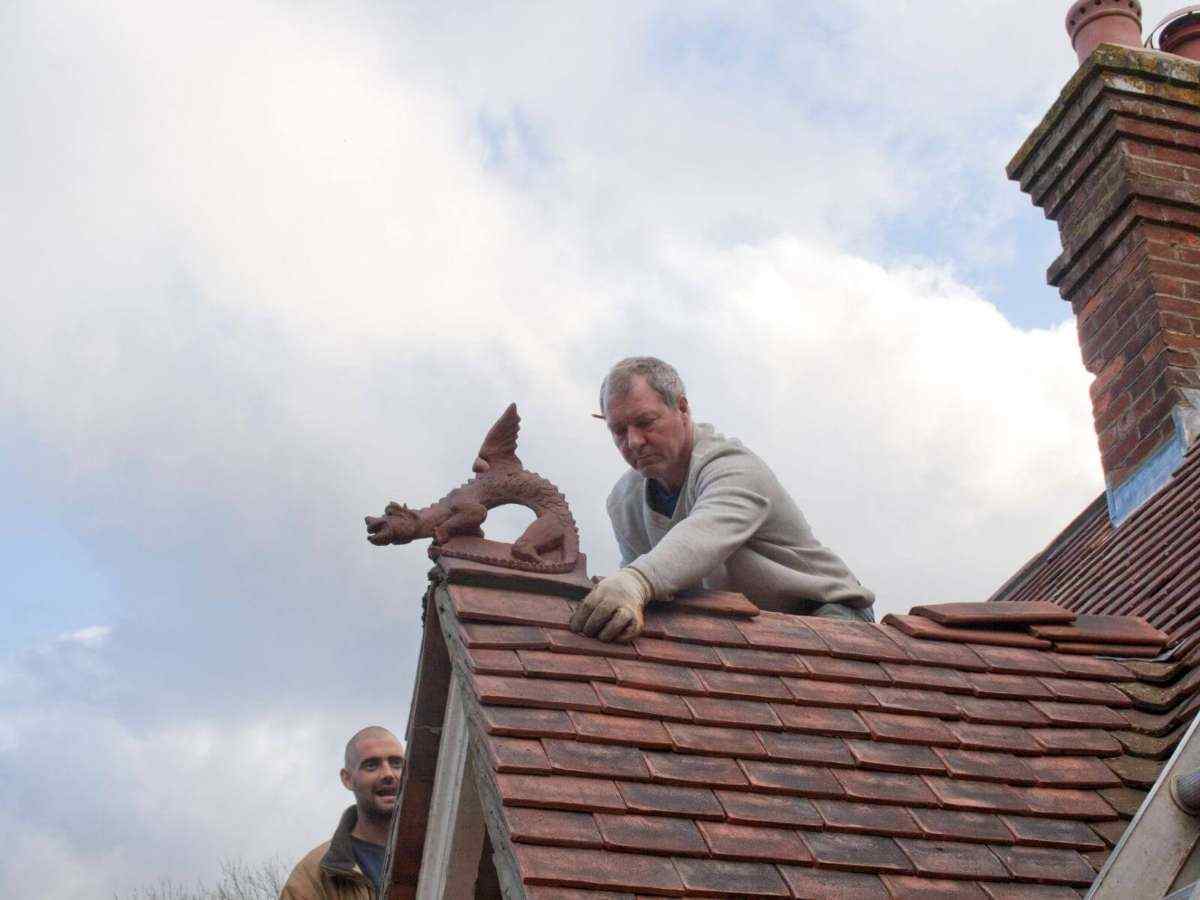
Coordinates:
(613, 610)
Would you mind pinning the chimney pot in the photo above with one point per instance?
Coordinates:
(1093, 22)
(1182, 36)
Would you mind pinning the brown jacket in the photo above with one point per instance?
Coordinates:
(330, 871)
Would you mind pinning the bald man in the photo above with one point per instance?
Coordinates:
(349, 866)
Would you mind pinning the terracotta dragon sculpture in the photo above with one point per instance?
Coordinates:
(500, 479)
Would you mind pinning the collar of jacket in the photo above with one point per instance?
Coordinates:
(339, 858)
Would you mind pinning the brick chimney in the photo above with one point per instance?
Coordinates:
(1116, 163)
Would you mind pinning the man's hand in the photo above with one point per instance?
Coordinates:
(613, 610)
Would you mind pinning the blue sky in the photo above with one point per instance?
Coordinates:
(267, 266)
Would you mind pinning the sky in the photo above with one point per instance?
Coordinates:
(267, 266)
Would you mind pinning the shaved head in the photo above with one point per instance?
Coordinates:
(371, 731)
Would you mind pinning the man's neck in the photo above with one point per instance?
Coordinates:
(371, 829)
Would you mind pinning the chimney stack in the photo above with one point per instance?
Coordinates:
(1116, 163)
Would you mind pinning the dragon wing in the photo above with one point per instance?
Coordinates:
(500, 445)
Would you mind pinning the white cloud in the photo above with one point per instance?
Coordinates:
(92, 636)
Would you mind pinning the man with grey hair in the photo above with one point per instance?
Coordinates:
(697, 509)
(349, 866)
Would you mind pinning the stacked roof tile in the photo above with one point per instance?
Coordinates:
(1147, 567)
(733, 753)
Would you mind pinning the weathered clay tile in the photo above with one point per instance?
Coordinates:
(814, 749)
(998, 890)
(801, 781)
(729, 604)
(651, 834)
(856, 852)
(1073, 771)
(1135, 772)
(761, 662)
(502, 637)
(707, 877)
(1104, 630)
(828, 693)
(936, 653)
(544, 664)
(890, 757)
(1111, 831)
(668, 800)
(616, 698)
(606, 760)
(744, 686)
(867, 818)
(677, 768)
(699, 630)
(1088, 649)
(509, 754)
(927, 629)
(1001, 712)
(1046, 864)
(847, 671)
(986, 765)
(570, 642)
(676, 653)
(885, 787)
(604, 729)
(1090, 667)
(1079, 691)
(738, 713)
(857, 640)
(1096, 858)
(1076, 741)
(1064, 803)
(815, 720)
(752, 842)
(602, 869)
(767, 632)
(909, 729)
(936, 678)
(917, 887)
(1149, 746)
(995, 614)
(1053, 833)
(1005, 738)
(562, 893)
(518, 722)
(544, 693)
(493, 662)
(1018, 661)
(1006, 687)
(712, 741)
(1155, 672)
(479, 604)
(952, 859)
(555, 827)
(977, 795)
(657, 676)
(918, 702)
(557, 792)
(1084, 714)
(746, 808)
(961, 825)
(820, 884)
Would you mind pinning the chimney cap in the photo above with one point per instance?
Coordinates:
(1172, 22)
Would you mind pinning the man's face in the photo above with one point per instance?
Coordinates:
(653, 438)
(375, 780)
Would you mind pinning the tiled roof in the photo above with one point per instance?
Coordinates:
(1148, 567)
(780, 756)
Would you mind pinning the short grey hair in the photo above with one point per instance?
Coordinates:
(661, 377)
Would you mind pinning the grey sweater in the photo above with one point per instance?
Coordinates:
(734, 528)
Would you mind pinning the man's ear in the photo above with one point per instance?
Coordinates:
(682, 404)
(346, 780)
